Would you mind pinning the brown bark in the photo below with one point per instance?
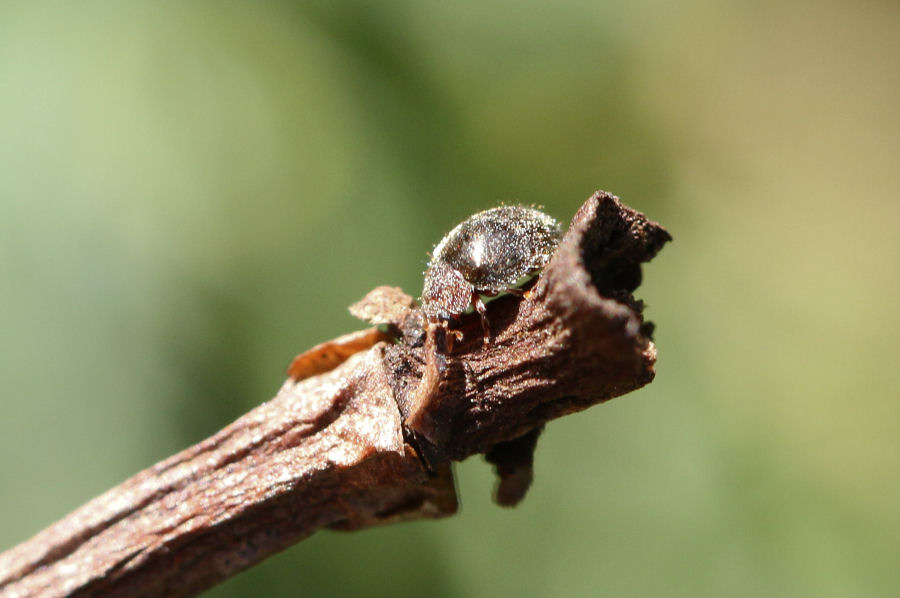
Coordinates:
(364, 431)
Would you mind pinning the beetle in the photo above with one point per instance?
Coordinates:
(486, 254)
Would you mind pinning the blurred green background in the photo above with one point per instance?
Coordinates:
(192, 193)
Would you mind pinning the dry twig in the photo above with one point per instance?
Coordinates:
(364, 430)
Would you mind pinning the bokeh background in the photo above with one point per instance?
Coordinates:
(192, 193)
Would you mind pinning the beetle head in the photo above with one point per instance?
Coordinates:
(446, 293)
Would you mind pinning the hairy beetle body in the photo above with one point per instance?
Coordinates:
(486, 254)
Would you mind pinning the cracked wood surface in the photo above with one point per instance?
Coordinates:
(365, 428)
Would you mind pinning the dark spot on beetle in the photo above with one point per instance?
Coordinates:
(486, 254)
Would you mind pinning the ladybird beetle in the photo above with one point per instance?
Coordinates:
(486, 254)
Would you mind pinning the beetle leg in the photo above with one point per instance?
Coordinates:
(449, 335)
(481, 309)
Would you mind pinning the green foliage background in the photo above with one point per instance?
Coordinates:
(192, 193)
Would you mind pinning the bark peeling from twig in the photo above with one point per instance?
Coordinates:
(364, 430)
